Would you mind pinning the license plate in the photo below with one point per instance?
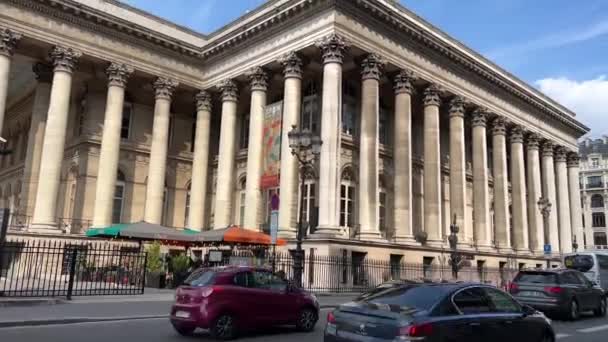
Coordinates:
(530, 293)
(182, 314)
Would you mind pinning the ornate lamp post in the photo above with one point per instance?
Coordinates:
(544, 205)
(305, 147)
(455, 255)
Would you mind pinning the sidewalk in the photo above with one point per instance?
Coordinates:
(152, 304)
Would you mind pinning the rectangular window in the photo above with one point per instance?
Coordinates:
(125, 126)
(383, 127)
(427, 267)
(193, 137)
(171, 124)
(599, 239)
(595, 162)
(309, 201)
(242, 208)
(347, 199)
(187, 213)
(598, 219)
(244, 137)
(396, 266)
(594, 182)
(382, 213)
(349, 114)
(119, 191)
(310, 113)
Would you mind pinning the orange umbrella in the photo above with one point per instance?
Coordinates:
(237, 235)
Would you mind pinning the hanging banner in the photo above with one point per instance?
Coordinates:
(272, 145)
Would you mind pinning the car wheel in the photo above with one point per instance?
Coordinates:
(573, 310)
(601, 310)
(184, 330)
(307, 320)
(224, 328)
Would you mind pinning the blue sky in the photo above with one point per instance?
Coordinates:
(558, 46)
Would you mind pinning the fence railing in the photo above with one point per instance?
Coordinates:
(42, 268)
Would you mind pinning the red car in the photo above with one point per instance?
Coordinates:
(227, 300)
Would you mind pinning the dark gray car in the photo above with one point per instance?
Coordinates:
(558, 291)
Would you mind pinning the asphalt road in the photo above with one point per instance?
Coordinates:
(588, 329)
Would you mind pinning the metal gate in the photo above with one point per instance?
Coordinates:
(47, 268)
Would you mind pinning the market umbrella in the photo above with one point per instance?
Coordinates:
(144, 231)
(236, 235)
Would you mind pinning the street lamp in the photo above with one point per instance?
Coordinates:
(455, 255)
(305, 147)
(544, 205)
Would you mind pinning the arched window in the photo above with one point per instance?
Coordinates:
(309, 118)
(382, 203)
(597, 201)
(347, 199)
(307, 196)
(187, 213)
(119, 196)
(242, 186)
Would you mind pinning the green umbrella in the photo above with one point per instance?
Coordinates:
(143, 231)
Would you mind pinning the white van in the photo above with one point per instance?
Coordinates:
(594, 264)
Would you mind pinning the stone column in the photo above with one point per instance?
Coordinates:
(402, 157)
(40, 108)
(200, 163)
(458, 183)
(253, 196)
(576, 220)
(157, 166)
(432, 166)
(501, 184)
(332, 48)
(64, 61)
(227, 149)
(535, 218)
(118, 75)
(371, 71)
(563, 201)
(8, 42)
(548, 175)
(292, 103)
(481, 202)
(518, 191)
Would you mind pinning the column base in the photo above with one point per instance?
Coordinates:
(287, 233)
(326, 232)
(486, 248)
(44, 228)
(465, 246)
(435, 243)
(505, 249)
(406, 240)
(370, 236)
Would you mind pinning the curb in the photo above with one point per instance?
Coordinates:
(31, 302)
(74, 320)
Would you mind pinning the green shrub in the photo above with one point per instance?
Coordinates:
(180, 263)
(154, 263)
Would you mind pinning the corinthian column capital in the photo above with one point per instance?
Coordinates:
(164, 87)
(203, 100)
(258, 79)
(65, 59)
(517, 135)
(547, 149)
(403, 82)
(118, 74)
(480, 117)
(561, 154)
(499, 126)
(8, 41)
(457, 105)
(533, 141)
(292, 65)
(431, 95)
(573, 159)
(332, 48)
(372, 66)
(230, 91)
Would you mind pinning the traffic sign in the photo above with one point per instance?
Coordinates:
(547, 249)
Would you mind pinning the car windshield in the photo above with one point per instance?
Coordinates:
(579, 262)
(536, 277)
(200, 277)
(409, 297)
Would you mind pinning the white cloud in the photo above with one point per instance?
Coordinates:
(588, 99)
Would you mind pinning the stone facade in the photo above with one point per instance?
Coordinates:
(594, 191)
(112, 119)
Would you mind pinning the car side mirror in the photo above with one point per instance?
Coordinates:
(528, 310)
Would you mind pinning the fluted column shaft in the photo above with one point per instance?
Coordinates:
(292, 101)
(197, 214)
(563, 201)
(8, 42)
(481, 201)
(157, 166)
(253, 194)
(575, 199)
(118, 75)
(458, 183)
(332, 48)
(402, 157)
(501, 185)
(227, 149)
(432, 166)
(40, 108)
(549, 192)
(64, 61)
(535, 219)
(371, 69)
(518, 191)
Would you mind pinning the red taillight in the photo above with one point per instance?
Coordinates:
(554, 289)
(513, 288)
(420, 330)
(331, 318)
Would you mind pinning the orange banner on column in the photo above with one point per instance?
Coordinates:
(272, 145)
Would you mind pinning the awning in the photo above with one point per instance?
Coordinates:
(144, 231)
(236, 235)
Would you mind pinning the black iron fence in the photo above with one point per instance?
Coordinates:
(324, 273)
(42, 268)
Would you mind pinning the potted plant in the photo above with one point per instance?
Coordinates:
(154, 267)
(180, 265)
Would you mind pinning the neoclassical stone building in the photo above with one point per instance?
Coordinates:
(594, 190)
(115, 115)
